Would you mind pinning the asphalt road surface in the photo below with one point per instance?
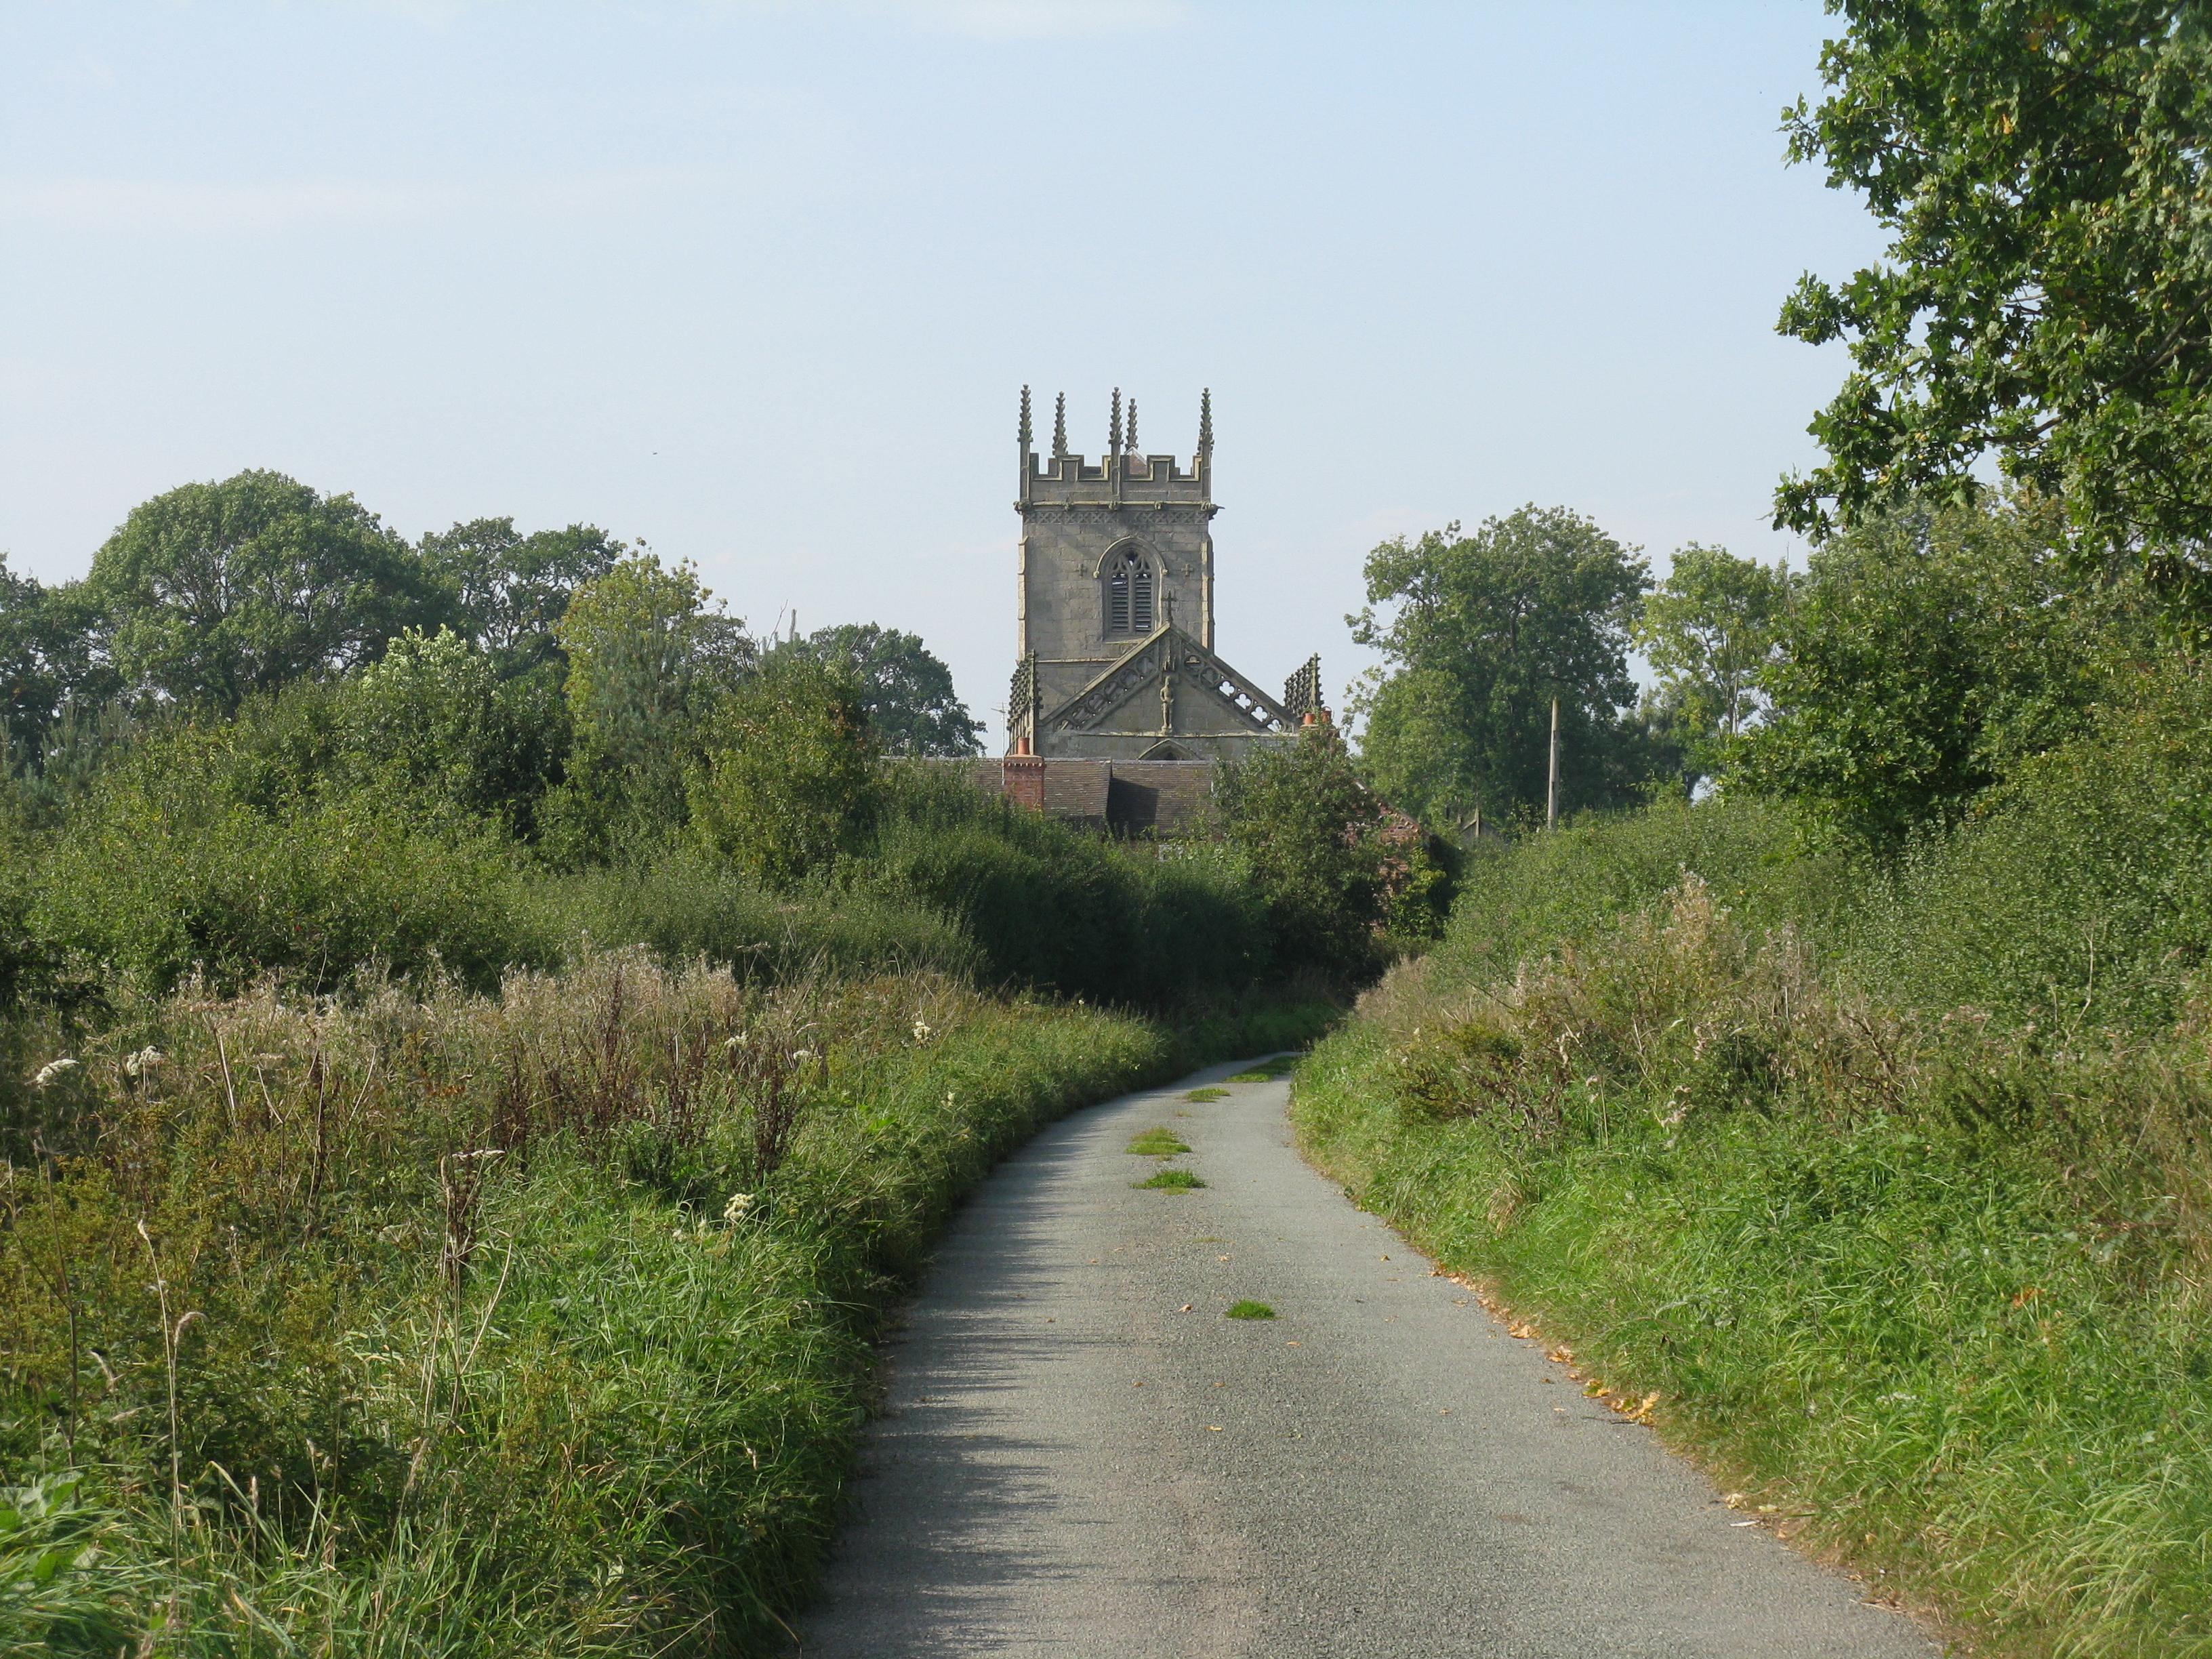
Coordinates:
(1082, 1456)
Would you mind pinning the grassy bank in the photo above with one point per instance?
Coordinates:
(440, 1323)
(1928, 1283)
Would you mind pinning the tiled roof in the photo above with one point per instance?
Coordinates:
(1128, 797)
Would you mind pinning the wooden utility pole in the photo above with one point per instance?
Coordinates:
(1552, 783)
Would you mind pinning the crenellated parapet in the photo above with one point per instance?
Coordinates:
(1124, 476)
(1115, 656)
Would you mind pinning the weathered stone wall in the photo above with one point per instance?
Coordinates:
(1077, 519)
(1094, 683)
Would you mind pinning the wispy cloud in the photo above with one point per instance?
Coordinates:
(180, 206)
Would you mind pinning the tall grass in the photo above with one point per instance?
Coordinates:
(1914, 1250)
(443, 1323)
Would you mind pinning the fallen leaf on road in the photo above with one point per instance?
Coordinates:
(1213, 1428)
(1187, 1307)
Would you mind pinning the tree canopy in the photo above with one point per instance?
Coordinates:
(1927, 653)
(1484, 631)
(1307, 826)
(787, 782)
(1707, 631)
(511, 590)
(213, 592)
(648, 659)
(47, 658)
(2047, 297)
(905, 689)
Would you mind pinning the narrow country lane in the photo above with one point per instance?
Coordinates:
(1073, 1464)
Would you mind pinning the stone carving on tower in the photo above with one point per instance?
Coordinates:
(1115, 657)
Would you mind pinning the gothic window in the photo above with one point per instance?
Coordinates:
(1131, 592)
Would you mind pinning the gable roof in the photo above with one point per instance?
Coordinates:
(1167, 647)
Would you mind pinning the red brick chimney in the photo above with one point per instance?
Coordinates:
(1024, 784)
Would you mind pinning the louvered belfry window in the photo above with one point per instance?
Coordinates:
(1130, 595)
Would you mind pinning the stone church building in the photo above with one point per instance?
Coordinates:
(1121, 708)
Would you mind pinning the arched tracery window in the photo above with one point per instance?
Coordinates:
(1131, 594)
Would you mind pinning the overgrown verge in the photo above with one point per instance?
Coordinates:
(1929, 1283)
(445, 1324)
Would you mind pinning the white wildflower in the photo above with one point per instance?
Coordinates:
(53, 1070)
(144, 1061)
(801, 1056)
(921, 1032)
(734, 1211)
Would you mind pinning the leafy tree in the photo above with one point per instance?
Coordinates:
(1707, 631)
(2042, 169)
(513, 589)
(47, 658)
(435, 714)
(1488, 628)
(213, 592)
(1306, 826)
(906, 689)
(1928, 653)
(789, 778)
(648, 659)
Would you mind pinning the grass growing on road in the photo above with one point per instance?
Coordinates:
(1171, 1180)
(1249, 1310)
(1935, 1279)
(1157, 1142)
(1203, 1095)
(1270, 1070)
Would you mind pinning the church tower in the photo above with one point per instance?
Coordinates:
(1116, 625)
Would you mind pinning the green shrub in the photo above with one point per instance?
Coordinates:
(1526, 896)
(1055, 908)
(1307, 828)
(1925, 654)
(788, 782)
(2079, 895)
(1706, 1106)
(687, 904)
(166, 870)
(506, 1337)
(1456, 1071)
(435, 716)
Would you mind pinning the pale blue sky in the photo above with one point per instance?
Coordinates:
(760, 283)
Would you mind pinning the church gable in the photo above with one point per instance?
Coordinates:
(1172, 687)
(1114, 655)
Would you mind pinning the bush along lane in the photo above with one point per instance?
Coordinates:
(441, 1323)
(1923, 1287)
